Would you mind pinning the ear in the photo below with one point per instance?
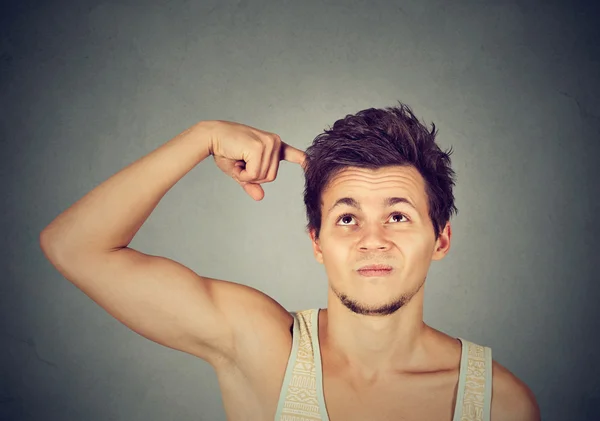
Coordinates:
(442, 244)
(316, 246)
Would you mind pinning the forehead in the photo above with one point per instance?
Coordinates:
(364, 184)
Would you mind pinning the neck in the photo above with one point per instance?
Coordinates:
(370, 346)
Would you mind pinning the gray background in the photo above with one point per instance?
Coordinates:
(89, 87)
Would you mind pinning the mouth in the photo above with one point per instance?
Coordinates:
(375, 270)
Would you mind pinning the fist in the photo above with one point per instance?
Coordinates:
(249, 155)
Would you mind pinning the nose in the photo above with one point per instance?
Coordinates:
(374, 237)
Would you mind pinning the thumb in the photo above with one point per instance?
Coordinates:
(255, 191)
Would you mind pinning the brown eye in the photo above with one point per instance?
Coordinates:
(345, 219)
(399, 215)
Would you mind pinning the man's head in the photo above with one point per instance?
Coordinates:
(356, 169)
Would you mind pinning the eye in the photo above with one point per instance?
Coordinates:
(344, 217)
(347, 216)
(401, 215)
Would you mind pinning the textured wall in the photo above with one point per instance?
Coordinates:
(89, 87)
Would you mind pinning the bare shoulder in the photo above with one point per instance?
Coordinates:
(512, 399)
(256, 319)
(262, 341)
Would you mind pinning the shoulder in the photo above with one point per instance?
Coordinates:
(512, 400)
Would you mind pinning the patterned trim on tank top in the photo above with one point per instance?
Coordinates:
(301, 402)
(477, 391)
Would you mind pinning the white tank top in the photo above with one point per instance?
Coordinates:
(301, 397)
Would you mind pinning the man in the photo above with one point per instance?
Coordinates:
(379, 199)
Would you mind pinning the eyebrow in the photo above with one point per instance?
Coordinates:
(387, 202)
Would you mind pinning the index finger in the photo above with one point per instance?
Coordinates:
(291, 154)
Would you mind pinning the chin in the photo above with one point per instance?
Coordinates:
(373, 309)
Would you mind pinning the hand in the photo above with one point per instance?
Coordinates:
(249, 155)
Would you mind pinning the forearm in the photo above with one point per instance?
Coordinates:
(109, 216)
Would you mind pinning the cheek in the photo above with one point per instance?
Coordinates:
(414, 247)
(335, 252)
(417, 260)
(343, 236)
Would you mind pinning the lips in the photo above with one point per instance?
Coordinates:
(375, 270)
(375, 267)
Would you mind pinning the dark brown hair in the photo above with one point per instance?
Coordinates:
(376, 138)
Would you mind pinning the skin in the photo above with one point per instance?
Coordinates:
(376, 324)
(374, 344)
(372, 333)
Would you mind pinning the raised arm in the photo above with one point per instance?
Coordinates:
(157, 297)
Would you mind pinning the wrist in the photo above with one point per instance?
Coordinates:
(204, 131)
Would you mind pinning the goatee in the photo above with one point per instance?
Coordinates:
(381, 310)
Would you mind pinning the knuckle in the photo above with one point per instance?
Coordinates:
(259, 148)
(253, 173)
(272, 175)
